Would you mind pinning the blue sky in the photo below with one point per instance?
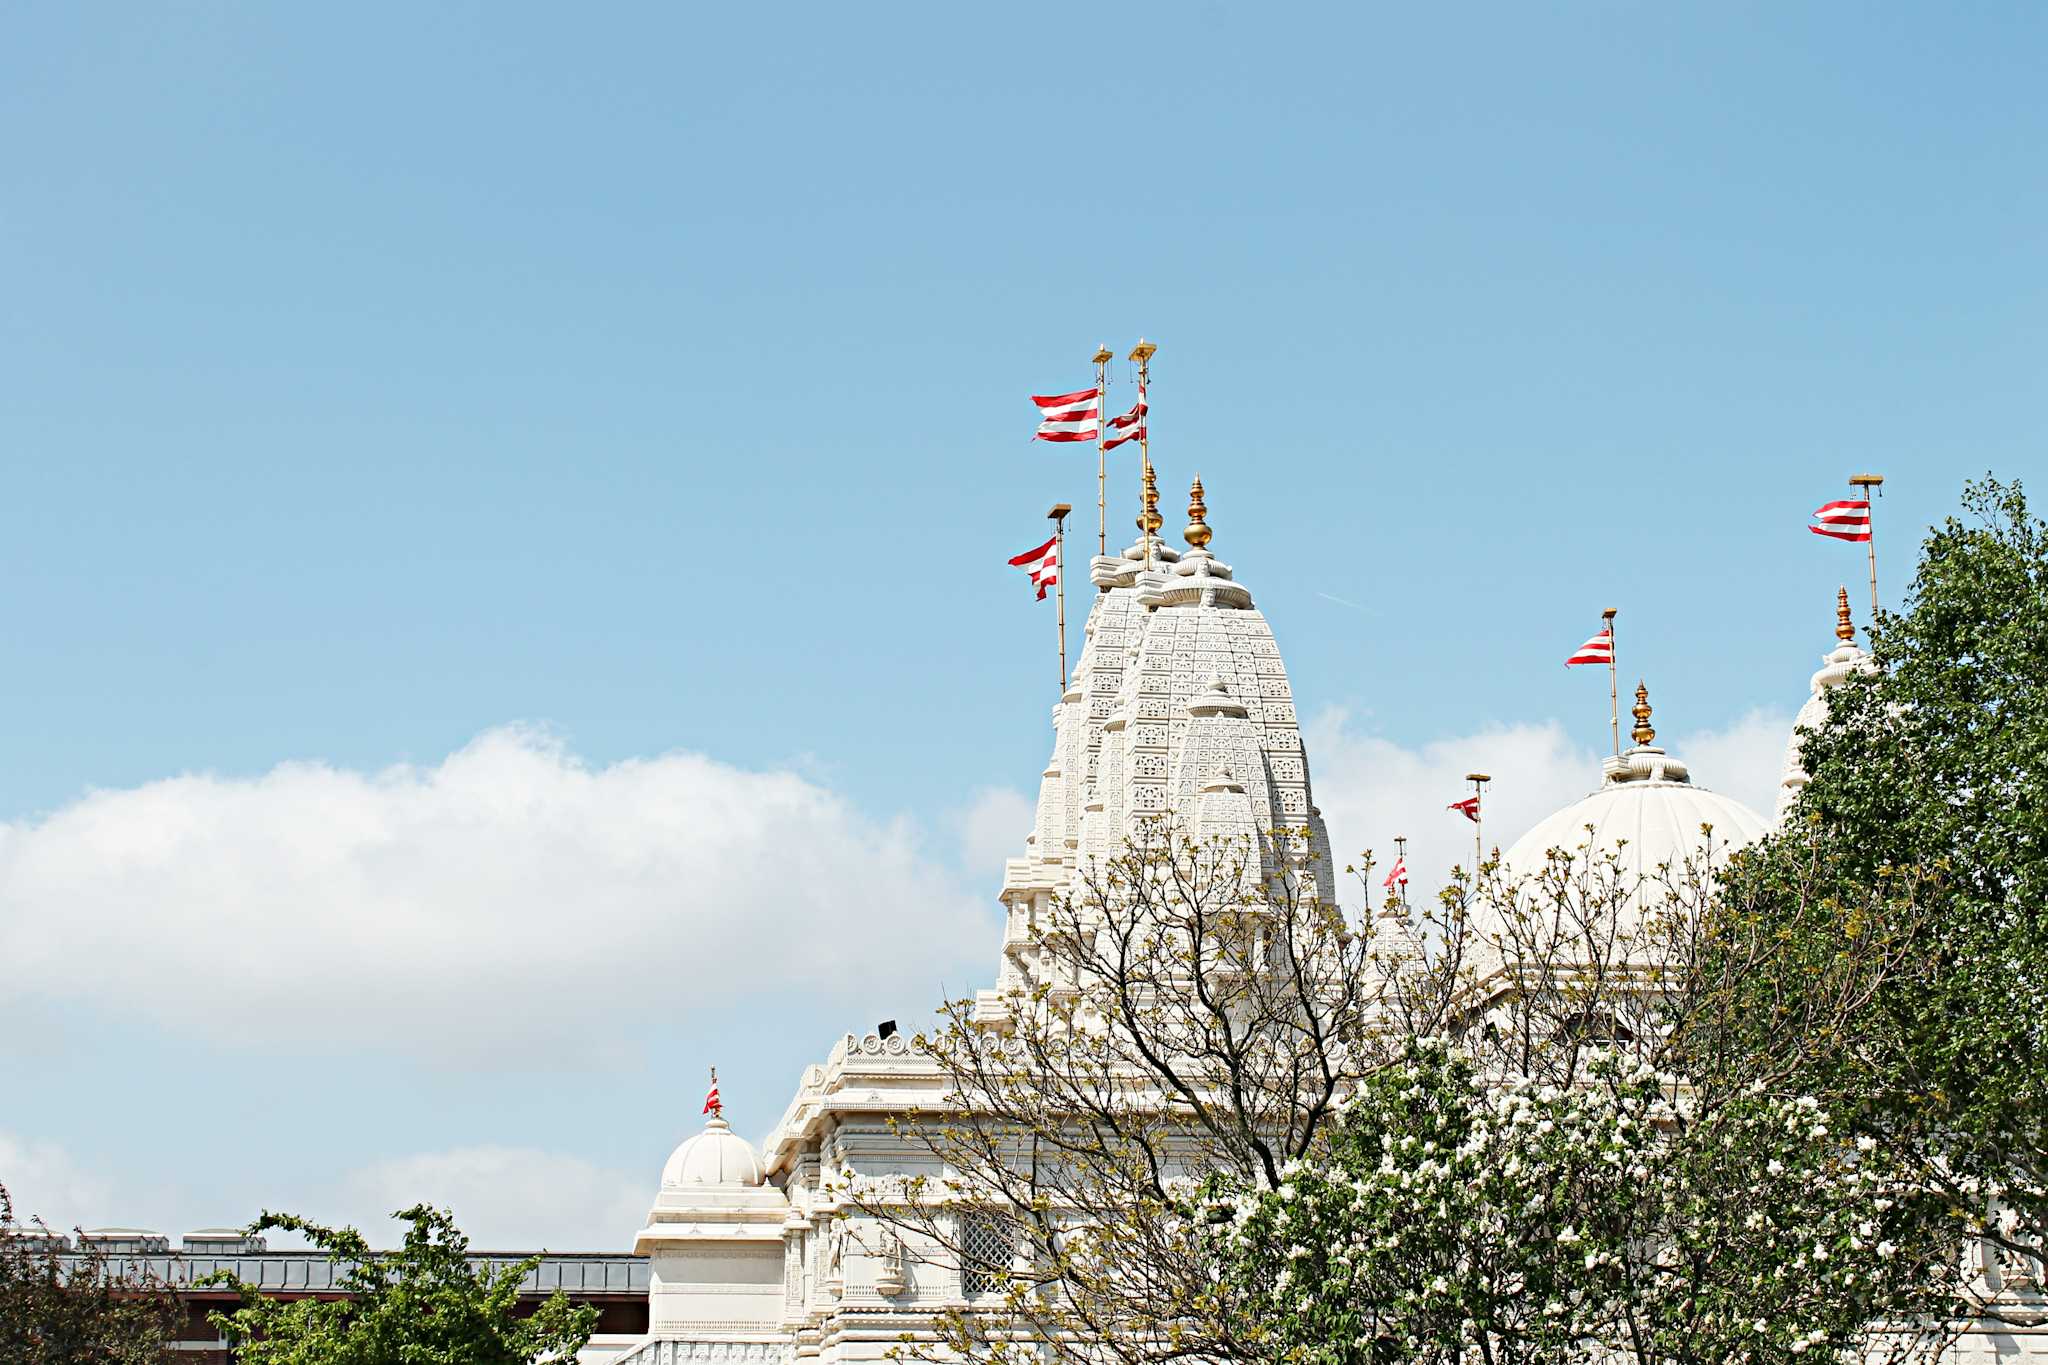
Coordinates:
(375, 379)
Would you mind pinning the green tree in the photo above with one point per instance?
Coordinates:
(60, 1307)
(1893, 936)
(426, 1303)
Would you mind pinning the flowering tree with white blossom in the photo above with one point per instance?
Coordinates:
(1453, 1217)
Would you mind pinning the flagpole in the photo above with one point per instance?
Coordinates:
(1103, 356)
(1870, 483)
(1478, 781)
(1401, 860)
(1613, 682)
(1148, 516)
(1059, 520)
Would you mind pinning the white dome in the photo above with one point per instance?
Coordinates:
(716, 1156)
(1659, 819)
(1647, 814)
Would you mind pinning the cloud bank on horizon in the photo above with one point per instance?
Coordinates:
(431, 906)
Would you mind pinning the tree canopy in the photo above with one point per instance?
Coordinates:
(1894, 929)
(427, 1303)
(77, 1307)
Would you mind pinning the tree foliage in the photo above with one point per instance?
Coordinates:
(426, 1303)
(76, 1307)
(1894, 931)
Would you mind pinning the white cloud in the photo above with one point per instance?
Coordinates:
(1745, 761)
(992, 827)
(46, 1182)
(503, 1198)
(508, 898)
(1372, 789)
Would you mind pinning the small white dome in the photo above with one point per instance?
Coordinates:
(1837, 666)
(716, 1156)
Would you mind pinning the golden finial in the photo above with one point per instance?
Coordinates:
(1149, 520)
(1843, 630)
(1642, 734)
(1198, 530)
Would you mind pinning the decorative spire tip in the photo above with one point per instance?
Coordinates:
(1198, 532)
(1149, 520)
(1643, 733)
(1843, 630)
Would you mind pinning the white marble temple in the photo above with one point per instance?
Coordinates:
(1178, 705)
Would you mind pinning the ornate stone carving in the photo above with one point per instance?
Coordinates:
(890, 1279)
(835, 1259)
(709, 1353)
(873, 1045)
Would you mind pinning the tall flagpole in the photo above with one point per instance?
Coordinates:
(1103, 356)
(1401, 861)
(1478, 781)
(1148, 514)
(1059, 519)
(1613, 682)
(1870, 483)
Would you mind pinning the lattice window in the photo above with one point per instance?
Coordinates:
(986, 1249)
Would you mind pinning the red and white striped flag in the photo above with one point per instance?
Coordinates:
(1129, 427)
(1043, 564)
(1068, 416)
(1598, 650)
(713, 1104)
(1469, 808)
(1397, 873)
(1848, 519)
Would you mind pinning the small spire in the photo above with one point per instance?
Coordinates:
(1149, 520)
(1643, 733)
(1198, 529)
(1843, 630)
